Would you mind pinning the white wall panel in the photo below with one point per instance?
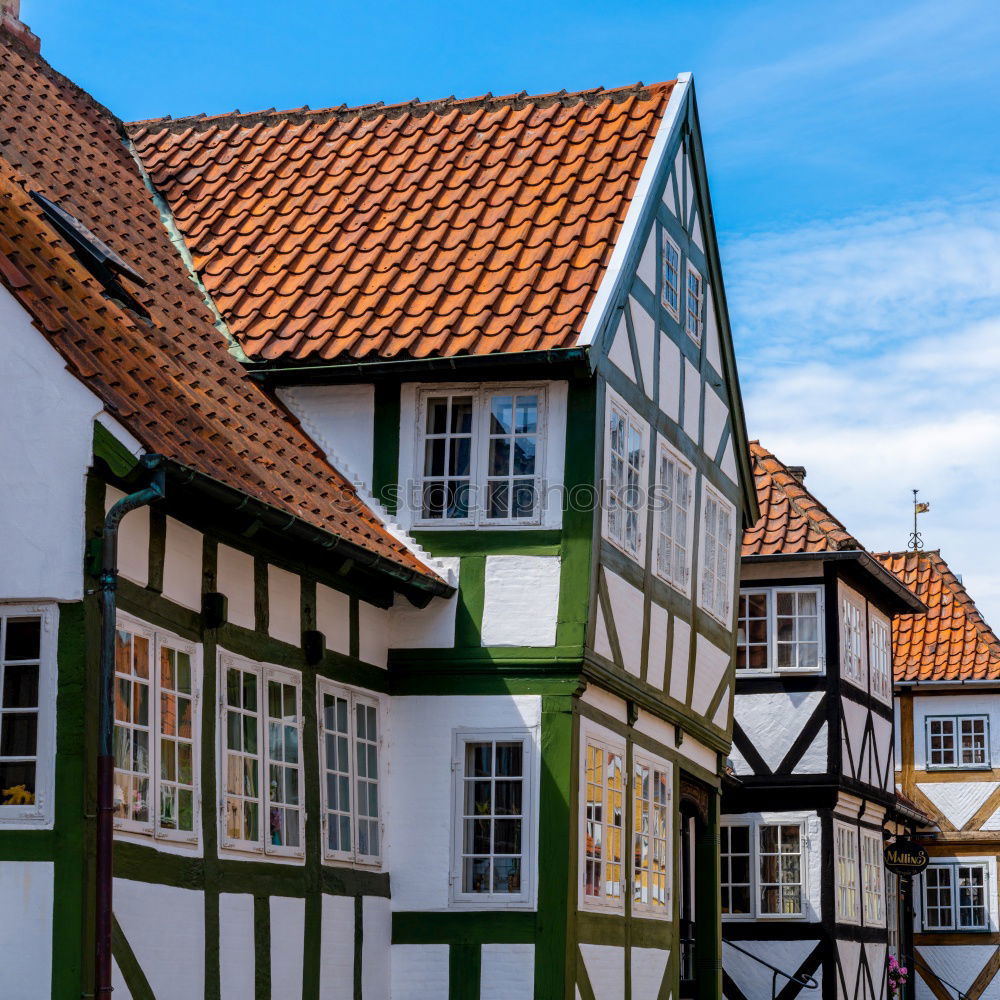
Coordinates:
(165, 928)
(605, 966)
(711, 665)
(284, 604)
(234, 578)
(236, 946)
(670, 378)
(754, 979)
(376, 938)
(426, 628)
(133, 540)
(656, 655)
(765, 720)
(521, 603)
(679, 658)
(288, 925)
(336, 957)
(692, 400)
(333, 618)
(341, 420)
(648, 966)
(644, 330)
(419, 971)
(373, 634)
(627, 609)
(182, 565)
(508, 972)
(26, 897)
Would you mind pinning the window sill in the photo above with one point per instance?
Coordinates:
(959, 768)
(491, 904)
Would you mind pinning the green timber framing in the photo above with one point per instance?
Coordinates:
(561, 674)
(209, 872)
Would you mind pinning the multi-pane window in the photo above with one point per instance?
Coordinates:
(955, 897)
(674, 494)
(958, 741)
(737, 861)
(846, 856)
(626, 500)
(717, 555)
(880, 657)
(780, 628)
(350, 741)
(762, 871)
(604, 824)
(651, 839)
(671, 292)
(27, 712)
(780, 862)
(480, 455)
(695, 304)
(615, 854)
(892, 911)
(872, 887)
(493, 800)
(852, 639)
(155, 744)
(261, 729)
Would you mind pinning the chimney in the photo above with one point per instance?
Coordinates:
(11, 23)
(797, 472)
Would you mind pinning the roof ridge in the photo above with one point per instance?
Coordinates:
(342, 112)
(971, 610)
(788, 480)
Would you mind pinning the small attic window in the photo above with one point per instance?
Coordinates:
(95, 255)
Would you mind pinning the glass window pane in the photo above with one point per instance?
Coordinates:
(23, 640)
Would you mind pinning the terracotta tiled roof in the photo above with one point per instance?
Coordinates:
(171, 383)
(791, 520)
(952, 641)
(443, 228)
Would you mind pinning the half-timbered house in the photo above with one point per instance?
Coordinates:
(947, 671)
(803, 886)
(423, 653)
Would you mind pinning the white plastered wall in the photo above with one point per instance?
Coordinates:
(419, 807)
(26, 897)
(341, 419)
(47, 418)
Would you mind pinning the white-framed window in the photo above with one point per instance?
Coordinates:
(652, 838)
(675, 495)
(28, 640)
(845, 838)
(955, 897)
(718, 518)
(625, 471)
(480, 454)
(958, 741)
(694, 304)
(872, 881)
(736, 874)
(762, 868)
(892, 911)
(671, 291)
(156, 744)
(494, 832)
(780, 629)
(260, 726)
(853, 646)
(604, 846)
(350, 728)
(880, 656)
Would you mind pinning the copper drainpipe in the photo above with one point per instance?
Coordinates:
(108, 586)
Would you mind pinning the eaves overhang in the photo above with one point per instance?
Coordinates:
(902, 600)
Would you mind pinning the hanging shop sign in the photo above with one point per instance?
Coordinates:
(904, 857)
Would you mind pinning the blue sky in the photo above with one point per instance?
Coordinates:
(852, 152)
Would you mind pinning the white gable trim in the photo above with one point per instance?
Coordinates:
(629, 231)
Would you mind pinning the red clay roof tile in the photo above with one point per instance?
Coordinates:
(172, 384)
(952, 642)
(791, 520)
(475, 226)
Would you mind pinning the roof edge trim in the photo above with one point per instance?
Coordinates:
(628, 235)
(174, 235)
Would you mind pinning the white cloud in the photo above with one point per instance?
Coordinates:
(870, 353)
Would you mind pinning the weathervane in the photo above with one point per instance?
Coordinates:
(916, 539)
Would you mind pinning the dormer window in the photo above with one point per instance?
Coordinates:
(480, 455)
